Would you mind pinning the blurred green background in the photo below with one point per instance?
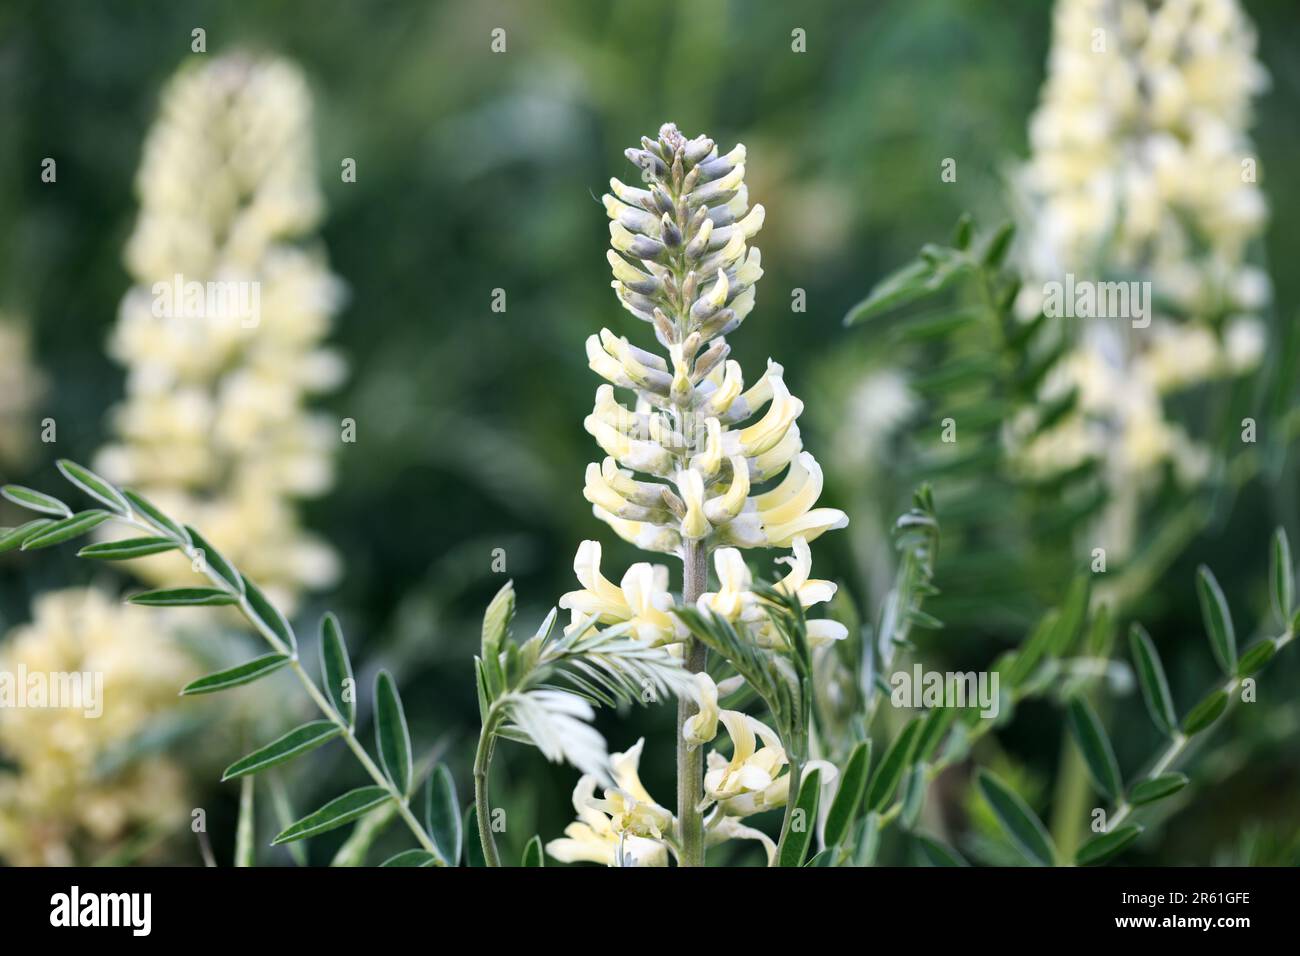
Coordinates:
(478, 171)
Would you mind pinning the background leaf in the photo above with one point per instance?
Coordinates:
(93, 485)
(297, 741)
(336, 669)
(391, 733)
(442, 815)
(1157, 788)
(885, 780)
(1019, 823)
(1095, 747)
(795, 847)
(1105, 845)
(1218, 620)
(1282, 577)
(1151, 678)
(848, 798)
(236, 676)
(338, 812)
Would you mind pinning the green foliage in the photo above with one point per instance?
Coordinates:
(1019, 823)
(392, 736)
(1095, 747)
(295, 742)
(442, 814)
(1151, 678)
(237, 676)
(848, 798)
(1106, 845)
(797, 836)
(230, 588)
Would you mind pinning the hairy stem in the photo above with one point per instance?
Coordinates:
(483, 812)
(792, 797)
(690, 763)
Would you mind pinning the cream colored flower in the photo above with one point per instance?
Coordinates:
(1142, 168)
(215, 423)
(736, 602)
(56, 808)
(695, 463)
(751, 780)
(626, 827)
(681, 262)
(641, 598)
(592, 839)
(702, 726)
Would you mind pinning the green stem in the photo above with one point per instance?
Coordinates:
(1178, 745)
(347, 732)
(1070, 801)
(482, 811)
(690, 762)
(796, 777)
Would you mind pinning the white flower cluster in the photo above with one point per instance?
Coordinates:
(55, 803)
(1141, 169)
(684, 466)
(627, 827)
(221, 333)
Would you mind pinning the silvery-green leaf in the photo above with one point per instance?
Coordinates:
(336, 813)
(885, 780)
(83, 522)
(913, 796)
(496, 625)
(1157, 788)
(214, 559)
(127, 549)
(11, 538)
(144, 507)
(336, 669)
(1151, 678)
(392, 736)
(269, 614)
(183, 597)
(867, 840)
(1105, 845)
(442, 815)
(848, 798)
(236, 676)
(1020, 824)
(411, 858)
(1095, 747)
(802, 822)
(936, 723)
(295, 742)
(93, 485)
(34, 500)
(1218, 621)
